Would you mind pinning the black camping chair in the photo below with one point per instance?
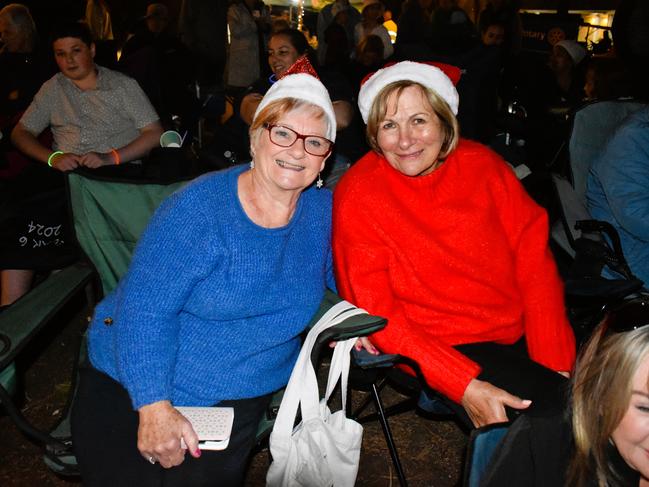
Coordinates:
(591, 245)
(372, 374)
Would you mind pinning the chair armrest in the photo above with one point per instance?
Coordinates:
(24, 318)
(366, 360)
(354, 326)
(619, 263)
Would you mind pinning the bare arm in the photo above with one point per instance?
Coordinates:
(139, 147)
(27, 143)
(344, 113)
(249, 106)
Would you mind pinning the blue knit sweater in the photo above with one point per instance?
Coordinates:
(212, 305)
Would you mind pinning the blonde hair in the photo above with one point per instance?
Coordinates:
(448, 121)
(603, 376)
(275, 110)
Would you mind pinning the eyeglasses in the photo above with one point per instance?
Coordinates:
(286, 137)
(628, 316)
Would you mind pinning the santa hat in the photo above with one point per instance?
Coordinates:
(301, 83)
(439, 77)
(576, 52)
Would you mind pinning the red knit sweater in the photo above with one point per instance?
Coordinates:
(457, 256)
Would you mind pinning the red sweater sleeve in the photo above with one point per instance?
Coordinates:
(361, 264)
(549, 336)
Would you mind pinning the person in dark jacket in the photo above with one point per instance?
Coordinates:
(604, 438)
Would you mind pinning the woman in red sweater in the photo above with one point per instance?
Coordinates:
(436, 234)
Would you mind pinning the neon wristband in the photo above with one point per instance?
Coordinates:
(52, 156)
(118, 160)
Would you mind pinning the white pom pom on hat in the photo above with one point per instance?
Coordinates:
(304, 87)
(439, 77)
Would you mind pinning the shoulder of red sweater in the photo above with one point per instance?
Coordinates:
(468, 147)
(473, 154)
(359, 176)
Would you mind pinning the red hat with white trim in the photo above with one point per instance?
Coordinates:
(439, 77)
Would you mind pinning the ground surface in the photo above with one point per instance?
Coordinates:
(431, 451)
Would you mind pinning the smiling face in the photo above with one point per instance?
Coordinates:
(631, 436)
(74, 58)
(410, 136)
(290, 168)
(281, 54)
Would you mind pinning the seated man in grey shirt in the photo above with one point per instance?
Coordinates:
(98, 117)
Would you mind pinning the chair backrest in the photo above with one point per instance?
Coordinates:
(109, 218)
(573, 209)
(592, 126)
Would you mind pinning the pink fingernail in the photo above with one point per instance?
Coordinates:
(197, 453)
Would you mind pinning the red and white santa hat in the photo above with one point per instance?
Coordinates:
(439, 77)
(301, 82)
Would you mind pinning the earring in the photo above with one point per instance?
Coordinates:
(319, 182)
(252, 164)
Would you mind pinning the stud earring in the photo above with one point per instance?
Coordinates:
(252, 164)
(319, 182)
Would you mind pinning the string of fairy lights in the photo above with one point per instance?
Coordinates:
(300, 14)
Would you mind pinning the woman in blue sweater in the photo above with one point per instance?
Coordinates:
(223, 282)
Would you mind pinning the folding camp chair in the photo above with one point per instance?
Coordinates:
(356, 326)
(591, 245)
(372, 374)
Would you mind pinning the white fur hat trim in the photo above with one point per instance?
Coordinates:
(425, 74)
(304, 87)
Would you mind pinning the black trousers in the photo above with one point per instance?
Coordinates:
(104, 434)
(510, 368)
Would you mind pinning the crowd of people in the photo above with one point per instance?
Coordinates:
(427, 226)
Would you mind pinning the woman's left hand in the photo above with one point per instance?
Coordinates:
(160, 431)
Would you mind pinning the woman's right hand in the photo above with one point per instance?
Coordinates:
(160, 431)
(485, 403)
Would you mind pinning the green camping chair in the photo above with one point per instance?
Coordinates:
(109, 216)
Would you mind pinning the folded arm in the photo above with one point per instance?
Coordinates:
(139, 147)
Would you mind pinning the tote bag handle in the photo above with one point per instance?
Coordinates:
(302, 388)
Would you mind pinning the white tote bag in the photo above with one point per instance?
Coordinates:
(324, 449)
